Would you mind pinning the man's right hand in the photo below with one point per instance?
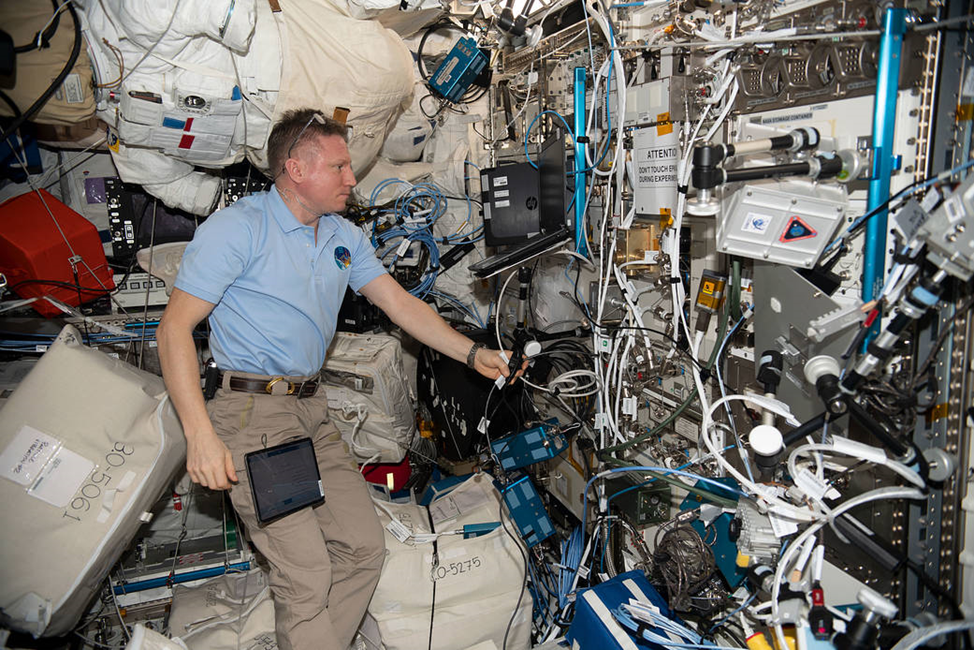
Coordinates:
(209, 463)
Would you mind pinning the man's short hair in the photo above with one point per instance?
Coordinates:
(294, 127)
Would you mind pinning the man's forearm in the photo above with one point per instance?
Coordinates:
(180, 370)
(426, 326)
(208, 462)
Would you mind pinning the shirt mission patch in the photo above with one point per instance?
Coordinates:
(343, 258)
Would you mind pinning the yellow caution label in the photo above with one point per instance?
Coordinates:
(707, 287)
(665, 218)
(965, 112)
(663, 124)
(938, 412)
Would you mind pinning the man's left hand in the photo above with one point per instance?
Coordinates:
(494, 363)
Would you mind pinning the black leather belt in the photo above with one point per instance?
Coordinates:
(273, 386)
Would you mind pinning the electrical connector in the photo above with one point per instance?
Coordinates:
(476, 530)
(820, 618)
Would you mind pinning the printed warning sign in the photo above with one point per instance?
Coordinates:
(655, 164)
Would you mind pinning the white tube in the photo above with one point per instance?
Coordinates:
(795, 512)
(785, 560)
(919, 637)
(857, 450)
(818, 560)
(796, 574)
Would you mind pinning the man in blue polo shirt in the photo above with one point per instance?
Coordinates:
(270, 273)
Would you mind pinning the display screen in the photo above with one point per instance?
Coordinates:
(284, 479)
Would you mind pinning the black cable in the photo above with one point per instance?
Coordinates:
(422, 43)
(482, 136)
(524, 581)
(421, 108)
(615, 328)
(463, 198)
(53, 88)
(933, 587)
(674, 341)
(861, 221)
(469, 97)
(58, 283)
(44, 37)
(448, 311)
(737, 638)
(84, 321)
(519, 417)
(941, 338)
(433, 567)
(125, 276)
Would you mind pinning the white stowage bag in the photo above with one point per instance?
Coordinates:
(408, 136)
(177, 74)
(369, 397)
(229, 612)
(145, 639)
(367, 9)
(191, 84)
(477, 580)
(87, 445)
(332, 61)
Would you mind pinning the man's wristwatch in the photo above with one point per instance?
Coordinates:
(472, 355)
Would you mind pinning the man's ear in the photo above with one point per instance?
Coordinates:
(294, 168)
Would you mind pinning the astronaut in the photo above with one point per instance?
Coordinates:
(270, 273)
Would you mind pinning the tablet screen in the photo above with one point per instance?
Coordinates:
(284, 478)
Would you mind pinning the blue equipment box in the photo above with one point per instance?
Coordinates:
(527, 510)
(531, 446)
(441, 487)
(594, 625)
(459, 69)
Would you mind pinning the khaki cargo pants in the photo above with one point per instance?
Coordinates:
(325, 561)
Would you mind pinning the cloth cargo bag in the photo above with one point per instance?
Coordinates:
(477, 580)
(369, 397)
(87, 445)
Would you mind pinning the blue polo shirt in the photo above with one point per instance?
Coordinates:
(276, 292)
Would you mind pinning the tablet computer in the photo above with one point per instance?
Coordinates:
(284, 479)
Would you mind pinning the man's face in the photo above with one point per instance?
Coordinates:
(329, 174)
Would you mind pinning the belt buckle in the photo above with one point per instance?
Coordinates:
(307, 388)
(271, 387)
